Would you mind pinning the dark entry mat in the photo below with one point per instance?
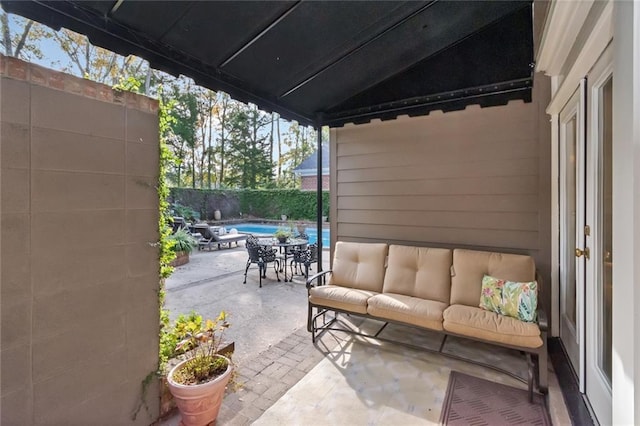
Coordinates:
(473, 401)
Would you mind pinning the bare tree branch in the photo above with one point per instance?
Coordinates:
(23, 38)
(6, 34)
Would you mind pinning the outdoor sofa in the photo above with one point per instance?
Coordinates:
(429, 288)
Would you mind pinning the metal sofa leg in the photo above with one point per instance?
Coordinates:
(530, 375)
(543, 372)
(309, 313)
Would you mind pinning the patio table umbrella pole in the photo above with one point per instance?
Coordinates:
(319, 191)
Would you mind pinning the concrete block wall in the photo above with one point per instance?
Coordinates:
(79, 277)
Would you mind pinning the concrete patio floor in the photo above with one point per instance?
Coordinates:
(260, 317)
(282, 378)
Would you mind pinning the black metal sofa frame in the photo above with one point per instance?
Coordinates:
(536, 358)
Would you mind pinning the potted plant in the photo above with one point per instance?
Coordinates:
(198, 383)
(183, 244)
(282, 234)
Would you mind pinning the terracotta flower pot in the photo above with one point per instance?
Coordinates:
(199, 404)
(182, 258)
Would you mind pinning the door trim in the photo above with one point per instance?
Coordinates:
(576, 106)
(602, 71)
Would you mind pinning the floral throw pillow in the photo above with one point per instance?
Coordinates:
(513, 299)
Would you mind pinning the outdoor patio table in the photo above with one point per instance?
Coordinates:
(291, 243)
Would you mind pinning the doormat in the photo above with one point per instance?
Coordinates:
(473, 401)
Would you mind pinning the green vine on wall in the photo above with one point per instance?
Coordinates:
(165, 244)
(166, 253)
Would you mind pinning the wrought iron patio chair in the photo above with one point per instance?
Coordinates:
(305, 257)
(261, 256)
(299, 236)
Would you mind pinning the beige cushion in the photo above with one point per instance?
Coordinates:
(486, 325)
(352, 300)
(420, 272)
(359, 265)
(407, 309)
(469, 267)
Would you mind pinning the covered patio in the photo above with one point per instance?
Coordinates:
(440, 137)
(283, 378)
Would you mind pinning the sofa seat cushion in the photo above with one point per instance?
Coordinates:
(407, 309)
(338, 297)
(478, 323)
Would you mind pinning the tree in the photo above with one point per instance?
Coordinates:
(211, 99)
(182, 138)
(95, 63)
(300, 142)
(249, 165)
(221, 110)
(25, 39)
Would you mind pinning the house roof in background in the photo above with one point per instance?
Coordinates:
(311, 162)
(321, 62)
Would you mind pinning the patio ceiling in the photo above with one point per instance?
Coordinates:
(321, 62)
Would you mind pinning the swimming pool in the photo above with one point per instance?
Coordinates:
(259, 228)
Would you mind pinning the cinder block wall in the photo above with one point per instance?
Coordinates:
(79, 280)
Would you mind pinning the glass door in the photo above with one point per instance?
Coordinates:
(572, 222)
(599, 283)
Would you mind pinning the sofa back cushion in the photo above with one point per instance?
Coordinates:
(419, 272)
(470, 266)
(359, 265)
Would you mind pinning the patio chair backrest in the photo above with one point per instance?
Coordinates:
(252, 240)
(254, 253)
(307, 256)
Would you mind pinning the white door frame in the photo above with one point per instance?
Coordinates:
(574, 107)
(598, 388)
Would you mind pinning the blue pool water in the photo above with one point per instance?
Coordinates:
(270, 229)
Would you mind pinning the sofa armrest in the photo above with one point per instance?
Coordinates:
(543, 322)
(317, 276)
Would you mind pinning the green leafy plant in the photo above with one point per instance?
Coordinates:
(282, 233)
(166, 253)
(201, 344)
(171, 335)
(183, 241)
(185, 211)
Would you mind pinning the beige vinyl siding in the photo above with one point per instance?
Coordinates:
(477, 178)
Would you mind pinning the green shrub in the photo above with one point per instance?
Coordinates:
(183, 241)
(185, 211)
(262, 203)
(170, 336)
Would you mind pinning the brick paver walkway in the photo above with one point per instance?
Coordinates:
(263, 380)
